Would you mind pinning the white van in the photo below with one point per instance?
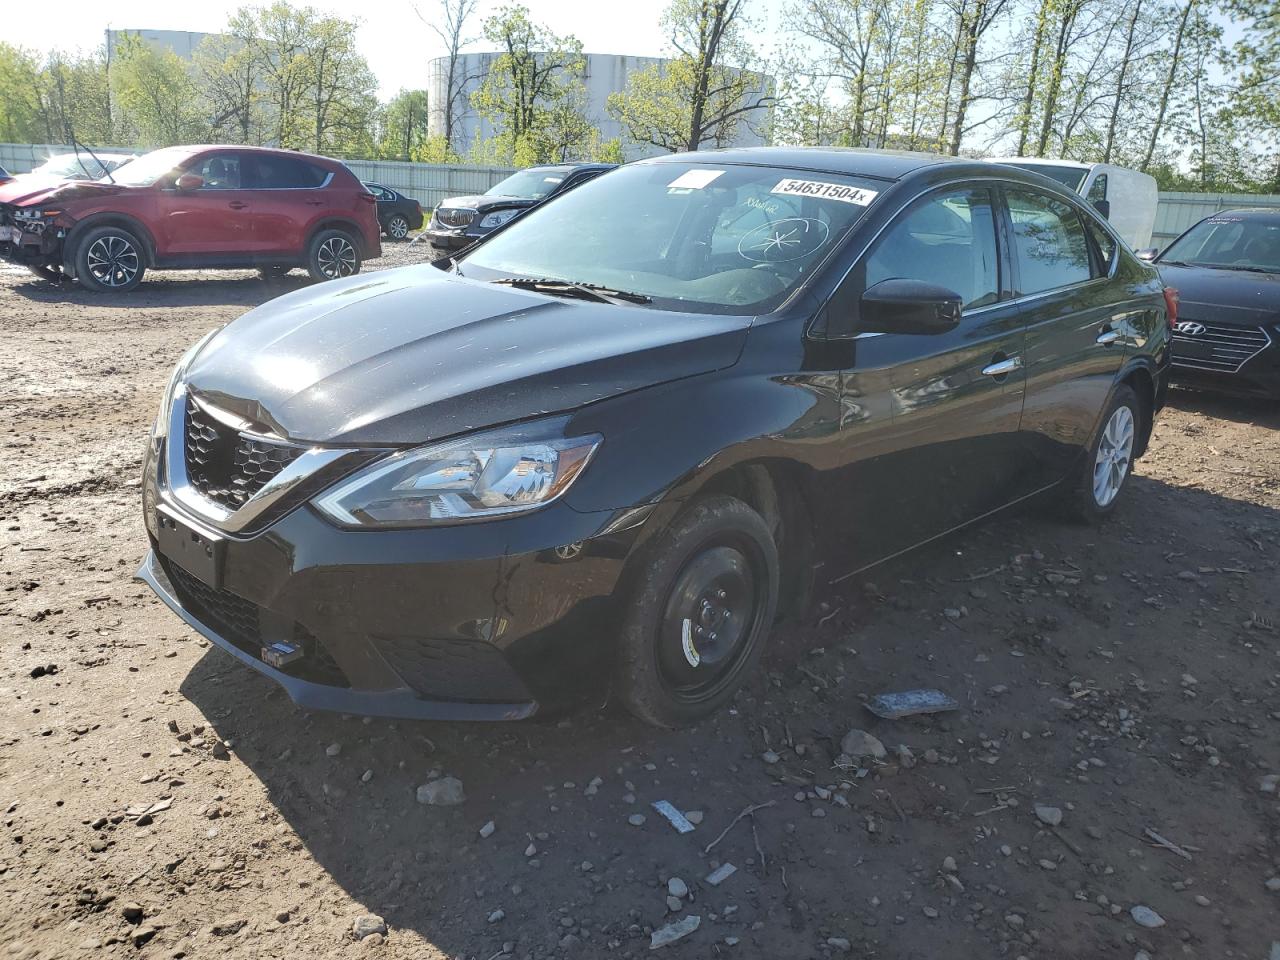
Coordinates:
(1126, 197)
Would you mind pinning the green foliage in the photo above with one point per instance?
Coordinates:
(532, 94)
(156, 96)
(402, 126)
(50, 99)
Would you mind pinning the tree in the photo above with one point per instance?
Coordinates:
(453, 103)
(157, 98)
(1255, 102)
(22, 117)
(705, 91)
(402, 126)
(228, 74)
(533, 92)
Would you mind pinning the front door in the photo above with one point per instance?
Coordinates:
(1076, 329)
(955, 399)
(212, 221)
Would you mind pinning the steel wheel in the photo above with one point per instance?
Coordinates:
(398, 227)
(113, 261)
(1115, 450)
(336, 258)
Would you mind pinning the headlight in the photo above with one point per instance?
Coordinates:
(498, 219)
(494, 474)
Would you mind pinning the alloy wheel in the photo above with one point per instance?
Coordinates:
(336, 258)
(398, 227)
(113, 261)
(1115, 451)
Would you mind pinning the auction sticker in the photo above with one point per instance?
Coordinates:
(825, 191)
(693, 179)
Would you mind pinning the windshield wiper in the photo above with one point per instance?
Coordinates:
(1235, 266)
(569, 288)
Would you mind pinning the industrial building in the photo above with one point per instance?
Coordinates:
(605, 73)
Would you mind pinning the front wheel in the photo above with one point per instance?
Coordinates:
(700, 612)
(1110, 460)
(110, 260)
(332, 255)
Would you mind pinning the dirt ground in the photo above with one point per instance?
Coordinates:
(159, 800)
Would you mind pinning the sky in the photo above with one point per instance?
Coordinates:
(392, 38)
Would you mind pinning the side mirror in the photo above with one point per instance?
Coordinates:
(1148, 254)
(908, 306)
(1103, 207)
(189, 181)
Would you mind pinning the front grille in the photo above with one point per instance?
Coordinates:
(226, 466)
(239, 621)
(455, 217)
(1219, 348)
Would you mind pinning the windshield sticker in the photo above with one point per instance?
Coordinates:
(825, 191)
(693, 179)
(783, 240)
(553, 179)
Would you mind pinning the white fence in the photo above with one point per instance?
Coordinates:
(430, 183)
(427, 183)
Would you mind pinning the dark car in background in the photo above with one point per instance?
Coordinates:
(1226, 269)
(601, 450)
(460, 221)
(195, 207)
(397, 213)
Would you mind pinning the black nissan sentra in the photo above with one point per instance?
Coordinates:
(602, 451)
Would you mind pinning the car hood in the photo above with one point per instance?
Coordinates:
(28, 190)
(1232, 297)
(484, 201)
(414, 355)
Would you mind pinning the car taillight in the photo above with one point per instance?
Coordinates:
(1171, 305)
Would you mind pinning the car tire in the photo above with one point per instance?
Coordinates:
(333, 254)
(110, 259)
(398, 227)
(699, 613)
(1107, 469)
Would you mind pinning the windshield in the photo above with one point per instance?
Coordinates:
(1230, 243)
(704, 237)
(533, 184)
(68, 167)
(1070, 177)
(150, 167)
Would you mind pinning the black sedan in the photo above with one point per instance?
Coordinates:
(397, 214)
(461, 221)
(1227, 272)
(600, 452)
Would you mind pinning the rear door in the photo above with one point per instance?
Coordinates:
(955, 398)
(1076, 324)
(213, 221)
(287, 199)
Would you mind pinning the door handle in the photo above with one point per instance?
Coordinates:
(237, 204)
(1107, 337)
(1002, 368)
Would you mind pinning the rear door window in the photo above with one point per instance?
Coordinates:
(1049, 242)
(272, 172)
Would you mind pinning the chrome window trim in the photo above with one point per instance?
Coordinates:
(960, 183)
(176, 487)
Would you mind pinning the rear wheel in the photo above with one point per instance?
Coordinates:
(1107, 468)
(332, 255)
(110, 259)
(398, 227)
(700, 613)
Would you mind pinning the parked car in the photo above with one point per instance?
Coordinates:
(1227, 272)
(603, 448)
(460, 221)
(1128, 198)
(80, 166)
(397, 214)
(184, 207)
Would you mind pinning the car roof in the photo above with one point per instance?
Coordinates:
(1249, 213)
(569, 167)
(1047, 162)
(855, 161)
(194, 148)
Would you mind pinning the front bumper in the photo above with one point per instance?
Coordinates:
(485, 621)
(30, 247)
(454, 238)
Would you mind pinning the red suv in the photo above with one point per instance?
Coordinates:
(184, 207)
